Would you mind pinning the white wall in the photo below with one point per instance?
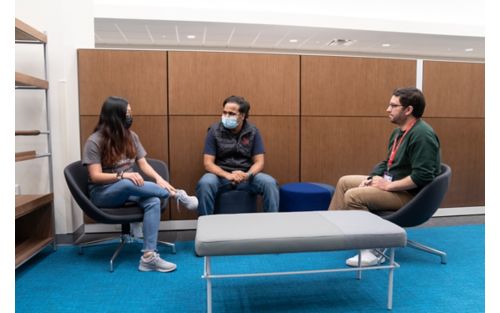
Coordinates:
(69, 25)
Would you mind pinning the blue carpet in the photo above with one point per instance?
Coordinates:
(63, 281)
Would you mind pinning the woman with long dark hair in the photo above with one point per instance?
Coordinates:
(109, 154)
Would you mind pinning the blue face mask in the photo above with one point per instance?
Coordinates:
(230, 122)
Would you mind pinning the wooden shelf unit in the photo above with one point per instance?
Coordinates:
(25, 155)
(30, 247)
(30, 82)
(26, 204)
(34, 212)
(24, 32)
(31, 132)
(34, 225)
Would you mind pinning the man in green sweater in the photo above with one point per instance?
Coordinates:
(413, 160)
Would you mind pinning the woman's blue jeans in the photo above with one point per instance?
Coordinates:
(210, 185)
(147, 197)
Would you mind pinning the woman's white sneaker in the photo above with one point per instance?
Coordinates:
(368, 258)
(155, 263)
(189, 202)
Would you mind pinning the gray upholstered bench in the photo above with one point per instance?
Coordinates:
(262, 233)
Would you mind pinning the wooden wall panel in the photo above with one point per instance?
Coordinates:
(139, 76)
(187, 138)
(338, 126)
(281, 141)
(87, 125)
(462, 147)
(200, 81)
(152, 131)
(344, 150)
(454, 89)
(335, 146)
(346, 86)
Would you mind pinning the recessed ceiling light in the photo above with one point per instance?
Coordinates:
(386, 45)
(191, 36)
(293, 40)
(469, 49)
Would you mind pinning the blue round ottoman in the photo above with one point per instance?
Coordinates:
(305, 197)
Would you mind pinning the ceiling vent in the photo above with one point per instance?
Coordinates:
(340, 42)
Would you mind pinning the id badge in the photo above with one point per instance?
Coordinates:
(387, 176)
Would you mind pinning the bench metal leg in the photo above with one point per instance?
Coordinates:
(209, 284)
(358, 273)
(391, 280)
(391, 267)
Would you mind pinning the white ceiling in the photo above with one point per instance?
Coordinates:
(220, 36)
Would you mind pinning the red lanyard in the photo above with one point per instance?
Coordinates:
(395, 147)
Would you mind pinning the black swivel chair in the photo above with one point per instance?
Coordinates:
(77, 179)
(422, 207)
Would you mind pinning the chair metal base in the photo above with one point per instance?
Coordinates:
(123, 239)
(169, 244)
(419, 246)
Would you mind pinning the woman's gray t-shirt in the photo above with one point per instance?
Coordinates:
(92, 154)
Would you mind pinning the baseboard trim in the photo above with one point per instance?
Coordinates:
(191, 224)
(462, 211)
(70, 239)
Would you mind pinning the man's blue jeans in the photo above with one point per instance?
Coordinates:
(147, 197)
(210, 185)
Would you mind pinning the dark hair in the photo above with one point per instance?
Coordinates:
(242, 103)
(116, 139)
(411, 96)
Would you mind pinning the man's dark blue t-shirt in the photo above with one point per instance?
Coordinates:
(211, 144)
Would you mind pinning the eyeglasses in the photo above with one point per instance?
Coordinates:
(393, 106)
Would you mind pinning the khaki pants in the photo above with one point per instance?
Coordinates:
(349, 196)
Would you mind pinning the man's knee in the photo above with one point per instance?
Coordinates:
(207, 181)
(267, 181)
(352, 200)
(349, 181)
(341, 181)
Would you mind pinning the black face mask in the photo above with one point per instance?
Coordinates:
(128, 121)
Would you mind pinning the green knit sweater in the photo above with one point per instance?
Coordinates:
(418, 155)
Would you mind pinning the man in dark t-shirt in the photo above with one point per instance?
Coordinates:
(234, 159)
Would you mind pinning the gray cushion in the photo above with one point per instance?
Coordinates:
(258, 233)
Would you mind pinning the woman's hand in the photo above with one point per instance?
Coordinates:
(166, 185)
(135, 177)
